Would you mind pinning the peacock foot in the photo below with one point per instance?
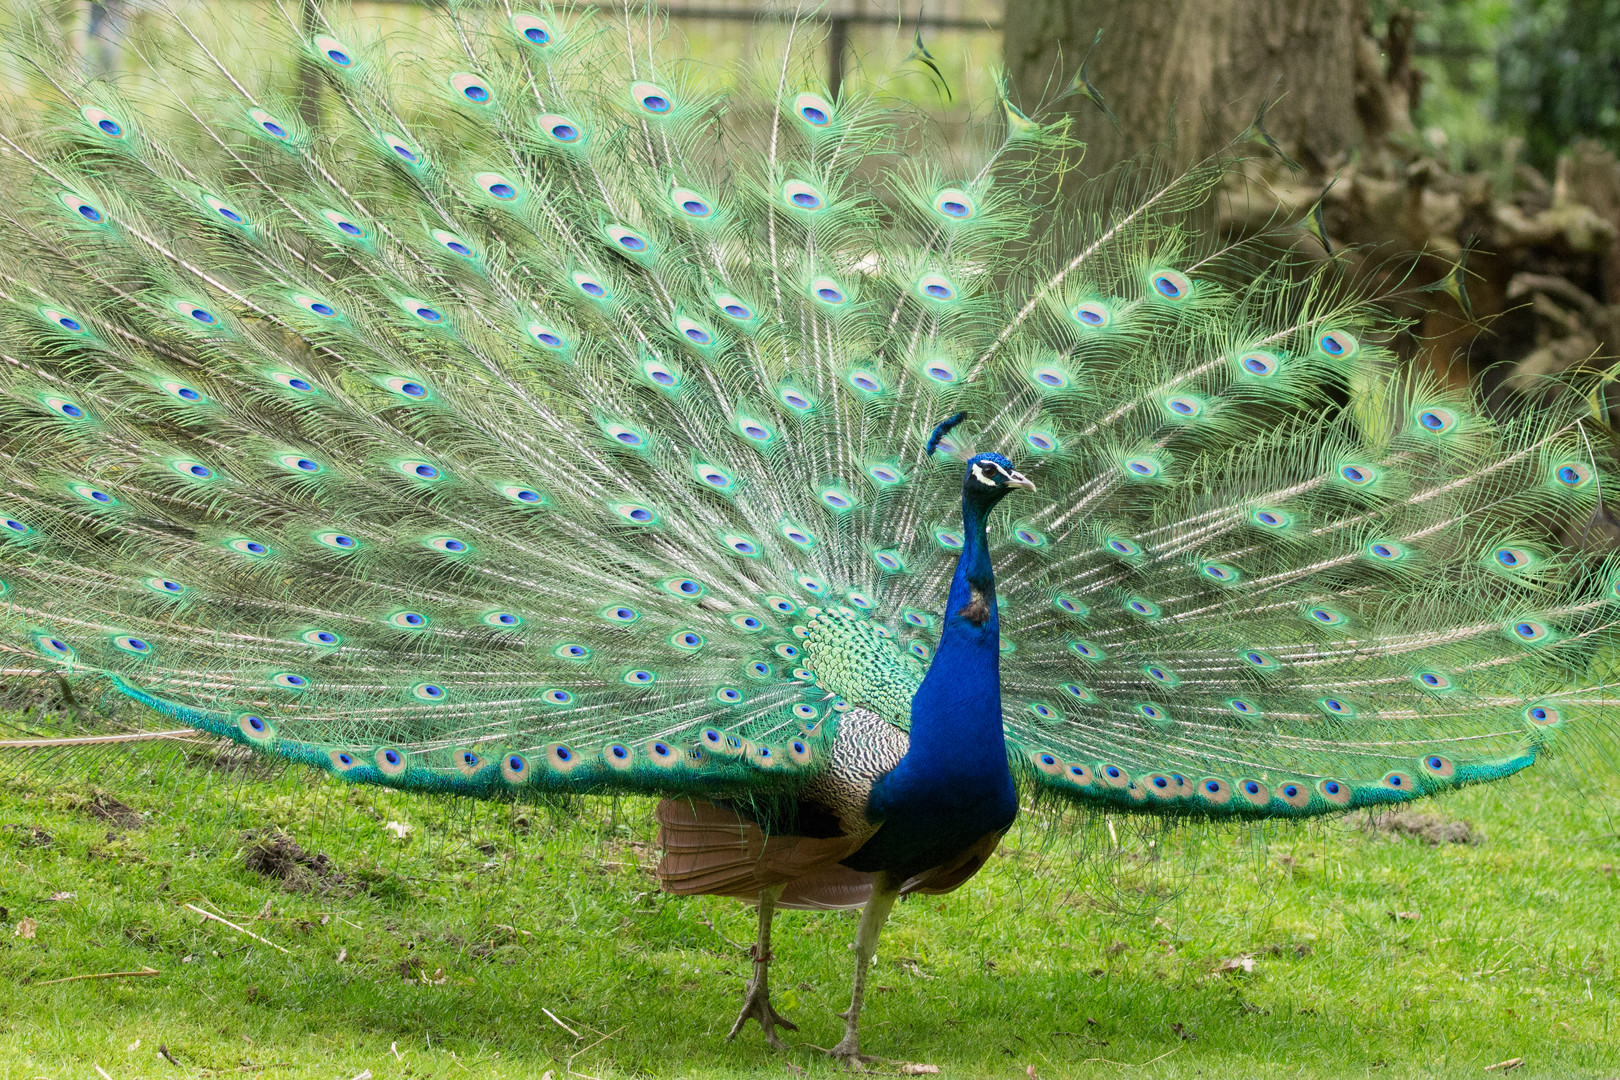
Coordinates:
(757, 1006)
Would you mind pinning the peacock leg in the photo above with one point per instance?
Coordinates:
(875, 914)
(758, 1002)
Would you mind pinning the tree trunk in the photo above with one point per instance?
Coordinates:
(1195, 69)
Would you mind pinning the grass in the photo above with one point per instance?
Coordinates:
(440, 953)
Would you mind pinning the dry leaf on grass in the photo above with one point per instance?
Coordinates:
(1244, 963)
(1405, 916)
(911, 1068)
(25, 928)
(399, 829)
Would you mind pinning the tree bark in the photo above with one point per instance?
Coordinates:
(1197, 70)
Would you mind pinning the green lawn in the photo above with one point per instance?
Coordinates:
(439, 954)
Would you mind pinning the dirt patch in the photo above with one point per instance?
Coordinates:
(30, 835)
(120, 815)
(274, 854)
(1432, 829)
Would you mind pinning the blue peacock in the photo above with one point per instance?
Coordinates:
(532, 417)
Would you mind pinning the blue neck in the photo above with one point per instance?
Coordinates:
(956, 734)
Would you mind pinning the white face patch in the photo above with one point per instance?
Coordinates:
(978, 474)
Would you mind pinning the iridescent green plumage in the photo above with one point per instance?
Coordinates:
(500, 427)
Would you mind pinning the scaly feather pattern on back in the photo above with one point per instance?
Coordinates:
(537, 418)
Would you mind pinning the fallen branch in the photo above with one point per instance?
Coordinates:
(103, 975)
(560, 1024)
(238, 929)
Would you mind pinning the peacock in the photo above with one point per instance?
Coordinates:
(523, 411)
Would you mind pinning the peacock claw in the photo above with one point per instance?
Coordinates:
(757, 1006)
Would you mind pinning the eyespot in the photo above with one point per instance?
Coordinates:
(1322, 616)
(450, 545)
(636, 513)
(1136, 605)
(103, 122)
(796, 399)
(947, 539)
(1258, 363)
(733, 308)
(515, 767)
(814, 110)
(867, 382)
(787, 651)
(1143, 468)
(640, 677)
(628, 239)
(1183, 407)
(746, 623)
(1386, 551)
(1159, 673)
(827, 292)
(224, 210)
(1432, 680)
(402, 149)
(316, 306)
(1243, 707)
(1530, 631)
(621, 613)
(652, 98)
(1359, 475)
(1170, 284)
(1272, 518)
(497, 186)
(289, 680)
(1153, 712)
(519, 494)
(694, 331)
(936, 287)
(1086, 650)
(690, 203)
(1050, 378)
(53, 647)
(405, 387)
(1400, 781)
(1220, 572)
(428, 692)
(293, 382)
(135, 645)
(1091, 315)
(590, 286)
(80, 206)
(687, 639)
(569, 650)
(454, 244)
(1572, 474)
(548, 337)
(64, 407)
(535, 31)
(271, 126)
(561, 129)
(940, 371)
(1513, 558)
(408, 620)
(1334, 706)
(333, 51)
(759, 669)
(661, 373)
(255, 727)
(955, 205)
(191, 470)
(324, 638)
(63, 320)
(1258, 659)
(1543, 715)
(92, 494)
(337, 540)
(472, 88)
(1072, 606)
(1040, 441)
(837, 498)
(1120, 546)
(1436, 420)
(1338, 344)
(798, 195)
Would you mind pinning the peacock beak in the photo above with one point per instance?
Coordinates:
(1020, 481)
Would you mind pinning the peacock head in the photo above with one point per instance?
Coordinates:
(989, 477)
